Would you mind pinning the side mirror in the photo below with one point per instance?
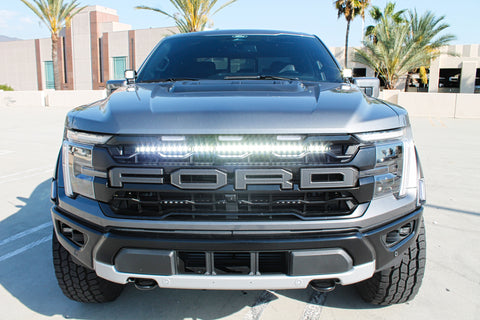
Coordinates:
(370, 86)
(113, 85)
(347, 73)
(130, 75)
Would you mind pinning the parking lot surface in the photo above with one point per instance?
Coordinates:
(30, 139)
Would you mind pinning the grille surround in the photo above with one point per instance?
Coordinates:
(131, 196)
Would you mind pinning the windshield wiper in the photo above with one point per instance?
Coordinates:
(259, 77)
(171, 80)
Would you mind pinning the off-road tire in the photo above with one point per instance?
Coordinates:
(401, 282)
(79, 283)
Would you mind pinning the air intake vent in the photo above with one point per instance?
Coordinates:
(210, 206)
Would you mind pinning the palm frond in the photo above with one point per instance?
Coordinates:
(191, 15)
(55, 14)
(401, 46)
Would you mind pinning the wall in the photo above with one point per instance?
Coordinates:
(82, 66)
(73, 98)
(18, 64)
(50, 98)
(117, 47)
(442, 105)
(146, 40)
(45, 55)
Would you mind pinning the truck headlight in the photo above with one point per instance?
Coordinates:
(78, 171)
(396, 168)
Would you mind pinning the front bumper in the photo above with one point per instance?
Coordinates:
(264, 282)
(344, 255)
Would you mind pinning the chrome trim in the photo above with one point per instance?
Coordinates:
(263, 282)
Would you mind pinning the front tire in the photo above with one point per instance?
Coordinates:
(79, 283)
(401, 282)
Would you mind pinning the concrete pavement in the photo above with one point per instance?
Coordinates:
(30, 138)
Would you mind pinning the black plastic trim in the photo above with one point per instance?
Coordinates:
(362, 246)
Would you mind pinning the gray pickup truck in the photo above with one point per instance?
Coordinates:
(239, 160)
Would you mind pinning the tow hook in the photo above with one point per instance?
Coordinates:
(323, 285)
(144, 284)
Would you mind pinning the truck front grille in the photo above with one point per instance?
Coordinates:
(212, 150)
(209, 206)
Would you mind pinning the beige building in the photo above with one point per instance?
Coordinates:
(97, 47)
(457, 70)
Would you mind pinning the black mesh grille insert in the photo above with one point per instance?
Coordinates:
(272, 262)
(283, 205)
(192, 262)
(232, 263)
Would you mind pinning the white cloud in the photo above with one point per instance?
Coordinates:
(6, 18)
(16, 24)
(27, 20)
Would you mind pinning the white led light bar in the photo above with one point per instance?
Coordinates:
(381, 135)
(230, 138)
(87, 138)
(173, 138)
(289, 138)
(233, 150)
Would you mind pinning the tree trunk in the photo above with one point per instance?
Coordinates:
(407, 82)
(346, 43)
(56, 65)
(363, 30)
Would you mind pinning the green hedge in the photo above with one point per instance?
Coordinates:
(5, 87)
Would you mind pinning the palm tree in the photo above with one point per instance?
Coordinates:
(56, 15)
(402, 47)
(390, 56)
(363, 6)
(424, 29)
(349, 9)
(193, 15)
(388, 13)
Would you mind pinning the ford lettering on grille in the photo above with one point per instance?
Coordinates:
(213, 179)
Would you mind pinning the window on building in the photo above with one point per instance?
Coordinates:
(359, 72)
(100, 58)
(49, 75)
(449, 80)
(477, 81)
(64, 52)
(119, 67)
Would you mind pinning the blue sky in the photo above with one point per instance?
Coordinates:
(311, 16)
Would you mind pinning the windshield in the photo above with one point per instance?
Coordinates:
(240, 57)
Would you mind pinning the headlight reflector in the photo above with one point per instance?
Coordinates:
(395, 168)
(78, 172)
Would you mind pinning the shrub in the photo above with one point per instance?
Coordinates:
(5, 87)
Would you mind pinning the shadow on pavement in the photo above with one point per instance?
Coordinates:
(343, 297)
(473, 213)
(28, 276)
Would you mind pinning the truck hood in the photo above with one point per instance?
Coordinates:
(236, 107)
